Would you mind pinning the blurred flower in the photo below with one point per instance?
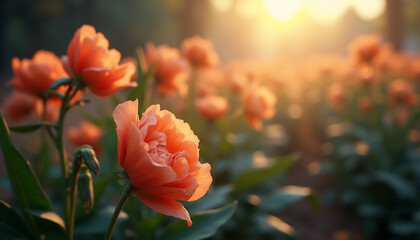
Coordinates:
(238, 81)
(212, 107)
(209, 80)
(91, 62)
(335, 95)
(364, 48)
(199, 52)
(402, 92)
(366, 75)
(365, 104)
(171, 70)
(20, 105)
(259, 104)
(86, 134)
(159, 153)
(35, 75)
(414, 68)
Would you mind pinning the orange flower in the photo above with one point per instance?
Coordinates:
(171, 70)
(402, 92)
(238, 81)
(366, 75)
(97, 67)
(212, 107)
(159, 153)
(335, 95)
(365, 104)
(86, 133)
(20, 105)
(209, 80)
(199, 52)
(259, 104)
(364, 48)
(35, 75)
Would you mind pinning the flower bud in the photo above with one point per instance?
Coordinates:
(88, 155)
(85, 188)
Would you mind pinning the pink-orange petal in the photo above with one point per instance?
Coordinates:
(204, 179)
(165, 206)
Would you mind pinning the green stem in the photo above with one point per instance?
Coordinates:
(72, 186)
(124, 197)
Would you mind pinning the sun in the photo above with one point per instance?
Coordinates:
(282, 10)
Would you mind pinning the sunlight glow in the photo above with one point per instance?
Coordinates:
(327, 11)
(222, 5)
(282, 10)
(369, 10)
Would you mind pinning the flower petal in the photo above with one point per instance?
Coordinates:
(204, 180)
(165, 206)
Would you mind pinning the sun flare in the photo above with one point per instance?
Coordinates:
(282, 10)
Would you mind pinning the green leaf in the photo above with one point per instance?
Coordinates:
(98, 222)
(28, 128)
(214, 198)
(48, 221)
(9, 233)
(272, 225)
(205, 224)
(286, 196)
(403, 188)
(25, 184)
(10, 219)
(253, 177)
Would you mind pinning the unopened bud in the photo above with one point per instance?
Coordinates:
(85, 188)
(88, 155)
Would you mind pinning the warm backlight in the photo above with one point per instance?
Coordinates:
(282, 10)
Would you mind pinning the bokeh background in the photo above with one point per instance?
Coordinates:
(238, 28)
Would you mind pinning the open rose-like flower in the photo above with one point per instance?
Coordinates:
(212, 107)
(259, 104)
(20, 105)
(402, 92)
(86, 133)
(90, 60)
(159, 153)
(171, 70)
(199, 52)
(34, 76)
(365, 48)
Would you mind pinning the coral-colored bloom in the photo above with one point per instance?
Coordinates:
(35, 75)
(259, 104)
(212, 107)
(159, 153)
(209, 80)
(365, 104)
(335, 95)
(86, 133)
(199, 52)
(19, 105)
(238, 81)
(366, 75)
(90, 60)
(402, 92)
(364, 48)
(171, 70)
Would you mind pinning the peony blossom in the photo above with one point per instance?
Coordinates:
(209, 81)
(199, 52)
(86, 133)
(97, 67)
(171, 70)
(20, 105)
(259, 104)
(212, 107)
(335, 95)
(402, 92)
(365, 48)
(35, 75)
(159, 153)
